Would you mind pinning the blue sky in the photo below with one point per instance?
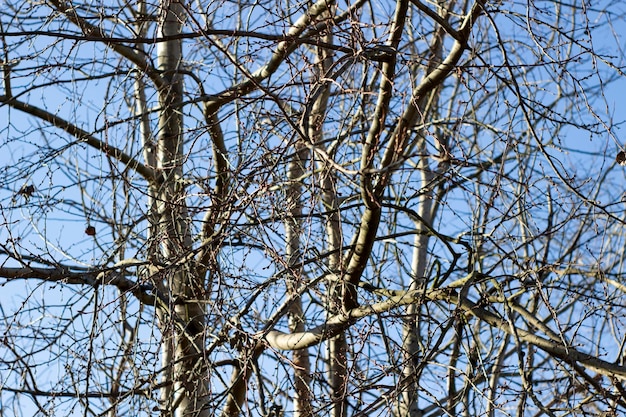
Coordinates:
(62, 223)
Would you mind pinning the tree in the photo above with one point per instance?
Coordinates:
(345, 209)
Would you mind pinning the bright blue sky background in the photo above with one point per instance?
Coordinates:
(578, 152)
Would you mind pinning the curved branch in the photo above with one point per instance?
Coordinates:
(283, 49)
(335, 324)
(370, 194)
(289, 341)
(434, 78)
(368, 228)
(371, 145)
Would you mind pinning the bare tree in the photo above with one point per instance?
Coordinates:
(320, 208)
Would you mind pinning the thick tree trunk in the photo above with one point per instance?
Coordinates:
(182, 322)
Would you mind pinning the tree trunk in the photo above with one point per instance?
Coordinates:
(183, 321)
(408, 401)
(300, 357)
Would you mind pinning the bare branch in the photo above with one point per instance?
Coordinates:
(81, 135)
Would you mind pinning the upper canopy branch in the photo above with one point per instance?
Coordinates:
(188, 35)
(283, 49)
(140, 60)
(435, 76)
(82, 135)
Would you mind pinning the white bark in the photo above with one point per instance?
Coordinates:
(182, 348)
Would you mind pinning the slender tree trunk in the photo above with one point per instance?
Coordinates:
(301, 365)
(182, 322)
(337, 347)
(425, 107)
(408, 402)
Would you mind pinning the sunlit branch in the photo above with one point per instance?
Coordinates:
(396, 147)
(282, 51)
(337, 323)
